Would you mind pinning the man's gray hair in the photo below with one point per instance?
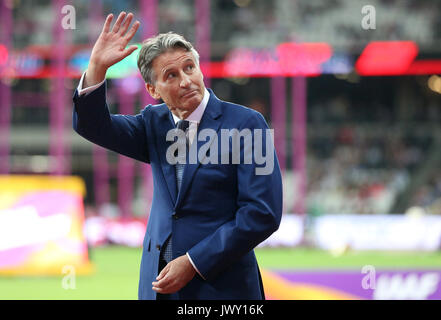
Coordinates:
(157, 45)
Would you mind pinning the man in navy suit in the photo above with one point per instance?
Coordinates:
(207, 215)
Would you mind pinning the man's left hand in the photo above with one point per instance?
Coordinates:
(175, 275)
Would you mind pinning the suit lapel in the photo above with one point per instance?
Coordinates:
(210, 120)
(165, 124)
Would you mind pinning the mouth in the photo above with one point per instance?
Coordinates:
(189, 93)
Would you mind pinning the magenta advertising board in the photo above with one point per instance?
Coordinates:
(366, 284)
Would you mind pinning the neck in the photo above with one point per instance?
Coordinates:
(182, 114)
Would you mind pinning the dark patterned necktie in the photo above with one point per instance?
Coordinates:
(183, 125)
(179, 167)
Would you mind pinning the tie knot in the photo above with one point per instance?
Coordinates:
(183, 125)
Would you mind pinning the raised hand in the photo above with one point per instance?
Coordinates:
(110, 47)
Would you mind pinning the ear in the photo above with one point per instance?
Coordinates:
(152, 90)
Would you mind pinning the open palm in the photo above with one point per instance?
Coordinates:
(110, 47)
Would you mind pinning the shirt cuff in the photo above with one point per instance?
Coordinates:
(87, 90)
(191, 261)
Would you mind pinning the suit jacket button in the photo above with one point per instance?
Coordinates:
(175, 216)
(158, 247)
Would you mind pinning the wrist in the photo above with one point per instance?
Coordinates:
(94, 74)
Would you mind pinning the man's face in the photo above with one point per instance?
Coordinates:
(179, 81)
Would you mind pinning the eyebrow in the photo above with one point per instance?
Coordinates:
(169, 69)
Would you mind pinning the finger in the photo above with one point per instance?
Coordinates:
(161, 290)
(129, 35)
(107, 23)
(118, 22)
(126, 24)
(162, 274)
(158, 290)
(163, 283)
(164, 287)
(129, 51)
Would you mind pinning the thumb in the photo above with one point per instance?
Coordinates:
(163, 273)
(128, 51)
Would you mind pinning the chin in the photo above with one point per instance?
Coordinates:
(193, 102)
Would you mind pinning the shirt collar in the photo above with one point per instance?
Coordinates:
(197, 113)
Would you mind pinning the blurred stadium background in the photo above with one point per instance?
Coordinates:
(356, 113)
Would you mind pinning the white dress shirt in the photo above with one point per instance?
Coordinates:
(87, 90)
(194, 118)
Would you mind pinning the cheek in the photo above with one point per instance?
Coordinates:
(167, 93)
(200, 77)
(198, 81)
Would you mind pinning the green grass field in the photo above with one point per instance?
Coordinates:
(117, 271)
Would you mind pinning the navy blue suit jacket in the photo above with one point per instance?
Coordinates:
(222, 211)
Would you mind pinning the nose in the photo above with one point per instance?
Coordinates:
(185, 80)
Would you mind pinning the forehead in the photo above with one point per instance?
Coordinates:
(171, 58)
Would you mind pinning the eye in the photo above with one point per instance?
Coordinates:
(190, 67)
(171, 75)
